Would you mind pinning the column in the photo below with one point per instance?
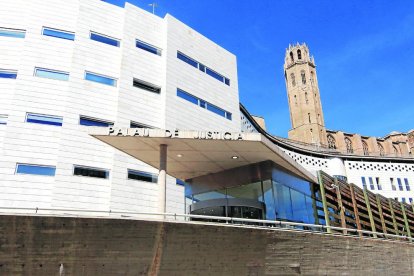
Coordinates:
(162, 180)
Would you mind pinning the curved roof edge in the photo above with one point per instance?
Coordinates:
(283, 143)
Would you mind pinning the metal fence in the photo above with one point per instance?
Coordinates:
(214, 220)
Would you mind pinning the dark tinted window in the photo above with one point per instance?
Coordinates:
(90, 172)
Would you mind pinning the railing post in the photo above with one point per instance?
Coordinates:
(394, 221)
(407, 226)
(341, 206)
(371, 218)
(384, 227)
(324, 203)
(356, 213)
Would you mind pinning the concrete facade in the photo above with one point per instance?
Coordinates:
(64, 146)
(33, 245)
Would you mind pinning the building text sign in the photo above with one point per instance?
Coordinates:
(165, 133)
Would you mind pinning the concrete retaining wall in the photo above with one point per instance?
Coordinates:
(32, 245)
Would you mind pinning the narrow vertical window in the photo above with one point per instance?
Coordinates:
(291, 56)
(400, 185)
(299, 54)
(302, 73)
(381, 149)
(292, 77)
(379, 186)
(364, 183)
(371, 183)
(392, 184)
(365, 148)
(407, 185)
(312, 78)
(309, 117)
(296, 100)
(306, 98)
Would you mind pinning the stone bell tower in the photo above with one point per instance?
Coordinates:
(303, 95)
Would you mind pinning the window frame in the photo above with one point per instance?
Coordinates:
(18, 165)
(145, 46)
(94, 119)
(3, 119)
(8, 74)
(107, 172)
(115, 80)
(144, 175)
(58, 31)
(54, 73)
(109, 38)
(147, 86)
(18, 33)
(45, 122)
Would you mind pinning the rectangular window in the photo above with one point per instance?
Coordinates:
(187, 97)
(214, 74)
(411, 200)
(216, 110)
(44, 119)
(148, 47)
(89, 121)
(138, 125)
(146, 86)
(371, 183)
(400, 185)
(407, 185)
(392, 184)
(3, 119)
(179, 182)
(379, 186)
(142, 176)
(90, 172)
(12, 32)
(403, 199)
(364, 183)
(188, 60)
(51, 74)
(105, 39)
(203, 68)
(58, 33)
(100, 78)
(35, 169)
(8, 74)
(203, 104)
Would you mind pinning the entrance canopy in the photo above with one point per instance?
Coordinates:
(192, 154)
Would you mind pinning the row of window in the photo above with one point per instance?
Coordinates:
(46, 31)
(61, 75)
(405, 200)
(203, 104)
(365, 148)
(203, 68)
(83, 171)
(58, 121)
(377, 185)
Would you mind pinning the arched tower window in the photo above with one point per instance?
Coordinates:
(302, 73)
(381, 149)
(365, 148)
(292, 77)
(291, 56)
(348, 143)
(299, 54)
(331, 142)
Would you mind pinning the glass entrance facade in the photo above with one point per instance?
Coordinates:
(282, 196)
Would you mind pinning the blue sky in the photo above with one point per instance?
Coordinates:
(363, 51)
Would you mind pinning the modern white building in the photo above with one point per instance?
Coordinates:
(63, 70)
(68, 65)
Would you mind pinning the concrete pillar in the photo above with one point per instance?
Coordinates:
(162, 180)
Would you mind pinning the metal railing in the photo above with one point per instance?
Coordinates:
(215, 220)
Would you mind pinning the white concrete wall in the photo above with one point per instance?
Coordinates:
(70, 145)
